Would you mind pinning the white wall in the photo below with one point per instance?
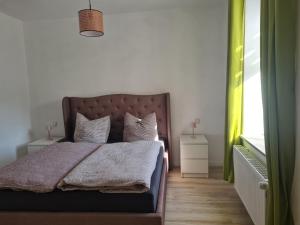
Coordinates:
(14, 93)
(296, 188)
(181, 51)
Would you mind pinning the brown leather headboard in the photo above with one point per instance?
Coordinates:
(116, 106)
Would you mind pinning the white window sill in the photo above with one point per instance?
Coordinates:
(258, 144)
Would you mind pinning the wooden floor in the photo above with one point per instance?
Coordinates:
(202, 201)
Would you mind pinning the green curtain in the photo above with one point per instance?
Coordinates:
(234, 92)
(278, 44)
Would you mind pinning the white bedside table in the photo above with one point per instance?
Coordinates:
(41, 143)
(194, 156)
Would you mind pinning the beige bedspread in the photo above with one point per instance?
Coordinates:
(118, 167)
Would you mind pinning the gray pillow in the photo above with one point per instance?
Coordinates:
(92, 131)
(136, 129)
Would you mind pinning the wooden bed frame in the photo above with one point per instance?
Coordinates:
(115, 106)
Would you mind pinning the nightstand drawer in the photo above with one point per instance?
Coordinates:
(194, 151)
(194, 166)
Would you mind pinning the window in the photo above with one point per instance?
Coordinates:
(253, 111)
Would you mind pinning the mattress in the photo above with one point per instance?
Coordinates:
(85, 201)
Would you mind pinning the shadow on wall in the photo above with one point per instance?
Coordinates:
(5, 159)
(21, 151)
(45, 113)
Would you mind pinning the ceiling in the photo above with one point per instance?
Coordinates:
(58, 9)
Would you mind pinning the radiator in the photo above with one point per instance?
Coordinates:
(251, 183)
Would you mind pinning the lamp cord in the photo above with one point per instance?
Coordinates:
(90, 4)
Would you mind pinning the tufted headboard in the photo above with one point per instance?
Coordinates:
(116, 106)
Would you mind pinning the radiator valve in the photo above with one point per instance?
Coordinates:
(263, 185)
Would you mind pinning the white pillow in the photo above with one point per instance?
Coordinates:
(93, 131)
(136, 129)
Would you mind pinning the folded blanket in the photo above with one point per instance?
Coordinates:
(118, 167)
(41, 171)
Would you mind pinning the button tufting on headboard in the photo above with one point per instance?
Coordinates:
(116, 106)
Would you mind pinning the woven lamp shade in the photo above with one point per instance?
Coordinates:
(91, 23)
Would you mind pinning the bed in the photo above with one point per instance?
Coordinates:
(97, 208)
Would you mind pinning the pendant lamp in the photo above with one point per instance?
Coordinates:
(91, 22)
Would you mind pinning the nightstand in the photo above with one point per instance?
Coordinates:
(41, 143)
(194, 155)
